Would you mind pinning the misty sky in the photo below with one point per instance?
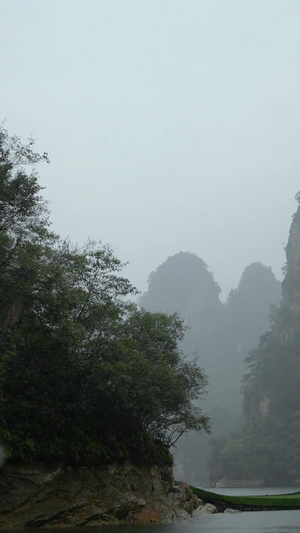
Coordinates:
(171, 125)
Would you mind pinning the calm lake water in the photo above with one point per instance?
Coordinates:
(254, 522)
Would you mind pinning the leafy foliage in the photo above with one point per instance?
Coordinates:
(85, 376)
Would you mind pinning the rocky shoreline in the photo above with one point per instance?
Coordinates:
(55, 496)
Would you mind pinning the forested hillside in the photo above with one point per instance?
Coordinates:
(85, 376)
(267, 445)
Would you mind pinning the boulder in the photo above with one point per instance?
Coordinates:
(197, 511)
(208, 508)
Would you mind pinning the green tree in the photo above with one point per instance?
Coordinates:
(84, 375)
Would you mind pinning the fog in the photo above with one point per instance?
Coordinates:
(170, 125)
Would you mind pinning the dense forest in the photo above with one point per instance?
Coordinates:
(86, 377)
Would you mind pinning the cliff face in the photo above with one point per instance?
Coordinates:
(291, 282)
(289, 316)
(267, 446)
(42, 496)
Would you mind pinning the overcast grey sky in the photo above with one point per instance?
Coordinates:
(171, 125)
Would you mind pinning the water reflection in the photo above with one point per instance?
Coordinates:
(254, 522)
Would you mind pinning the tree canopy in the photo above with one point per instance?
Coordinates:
(85, 376)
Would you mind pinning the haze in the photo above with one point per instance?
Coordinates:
(170, 125)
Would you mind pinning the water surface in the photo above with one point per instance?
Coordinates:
(248, 522)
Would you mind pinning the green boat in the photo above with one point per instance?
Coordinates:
(250, 503)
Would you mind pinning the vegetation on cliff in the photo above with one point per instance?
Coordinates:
(85, 376)
(267, 445)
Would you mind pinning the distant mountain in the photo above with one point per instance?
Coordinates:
(248, 306)
(182, 284)
(219, 334)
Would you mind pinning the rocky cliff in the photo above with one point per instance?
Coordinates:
(42, 496)
(291, 282)
(266, 447)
